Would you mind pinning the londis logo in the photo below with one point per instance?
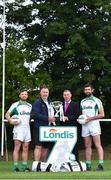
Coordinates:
(54, 134)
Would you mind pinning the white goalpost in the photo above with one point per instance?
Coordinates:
(3, 82)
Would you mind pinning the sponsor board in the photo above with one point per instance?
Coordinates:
(65, 139)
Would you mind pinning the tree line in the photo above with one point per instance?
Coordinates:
(70, 40)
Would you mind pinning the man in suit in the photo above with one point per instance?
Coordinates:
(71, 113)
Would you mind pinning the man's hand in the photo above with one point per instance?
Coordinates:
(88, 119)
(13, 121)
(51, 119)
(65, 119)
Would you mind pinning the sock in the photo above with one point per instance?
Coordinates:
(101, 162)
(88, 163)
(24, 165)
(15, 164)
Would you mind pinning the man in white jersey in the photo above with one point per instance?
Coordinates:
(93, 108)
(21, 131)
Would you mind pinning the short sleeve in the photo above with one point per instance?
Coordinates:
(99, 103)
(12, 108)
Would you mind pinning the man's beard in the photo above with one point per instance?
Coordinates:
(89, 94)
(44, 98)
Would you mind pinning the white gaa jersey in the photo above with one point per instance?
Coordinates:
(22, 110)
(90, 106)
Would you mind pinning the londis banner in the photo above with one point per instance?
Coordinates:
(65, 139)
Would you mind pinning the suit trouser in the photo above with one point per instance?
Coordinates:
(75, 152)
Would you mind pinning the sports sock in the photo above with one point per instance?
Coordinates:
(101, 162)
(88, 163)
(15, 164)
(24, 165)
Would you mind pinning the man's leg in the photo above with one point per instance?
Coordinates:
(25, 148)
(97, 142)
(37, 152)
(75, 152)
(17, 145)
(88, 151)
(45, 152)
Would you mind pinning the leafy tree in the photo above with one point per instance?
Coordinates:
(74, 38)
(70, 39)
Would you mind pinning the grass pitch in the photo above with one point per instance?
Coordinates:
(6, 172)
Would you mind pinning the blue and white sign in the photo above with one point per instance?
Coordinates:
(65, 138)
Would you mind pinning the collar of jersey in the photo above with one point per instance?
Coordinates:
(91, 97)
(22, 102)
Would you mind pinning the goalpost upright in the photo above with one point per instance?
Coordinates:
(3, 82)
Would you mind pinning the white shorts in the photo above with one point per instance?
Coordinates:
(91, 129)
(22, 134)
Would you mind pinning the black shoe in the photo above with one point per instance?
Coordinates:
(26, 170)
(88, 168)
(17, 169)
(100, 168)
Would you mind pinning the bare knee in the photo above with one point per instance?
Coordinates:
(88, 142)
(97, 142)
(98, 146)
(25, 147)
(39, 148)
(87, 145)
(17, 145)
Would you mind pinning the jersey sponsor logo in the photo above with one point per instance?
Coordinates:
(24, 113)
(87, 107)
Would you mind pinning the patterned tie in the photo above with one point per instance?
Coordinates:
(66, 106)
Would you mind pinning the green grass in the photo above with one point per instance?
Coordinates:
(6, 172)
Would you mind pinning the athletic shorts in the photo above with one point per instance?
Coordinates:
(37, 142)
(91, 129)
(22, 134)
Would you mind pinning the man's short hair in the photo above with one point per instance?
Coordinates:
(44, 86)
(88, 85)
(23, 90)
(67, 90)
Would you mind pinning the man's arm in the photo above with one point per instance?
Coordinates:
(9, 119)
(100, 115)
(38, 114)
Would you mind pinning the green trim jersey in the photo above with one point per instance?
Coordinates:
(91, 106)
(22, 110)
